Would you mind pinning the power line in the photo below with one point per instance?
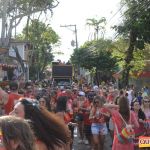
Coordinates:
(75, 30)
(117, 12)
(132, 8)
(140, 7)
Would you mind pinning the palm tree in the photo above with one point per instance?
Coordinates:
(99, 25)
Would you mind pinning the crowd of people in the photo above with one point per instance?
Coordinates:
(42, 117)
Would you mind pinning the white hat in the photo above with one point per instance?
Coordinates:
(81, 93)
(95, 88)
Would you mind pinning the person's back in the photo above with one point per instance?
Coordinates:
(123, 118)
(13, 97)
(3, 100)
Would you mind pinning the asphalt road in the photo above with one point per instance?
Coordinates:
(76, 146)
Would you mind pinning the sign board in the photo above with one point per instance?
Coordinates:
(62, 71)
(144, 141)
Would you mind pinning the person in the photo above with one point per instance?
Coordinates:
(51, 133)
(43, 101)
(146, 110)
(53, 100)
(130, 93)
(13, 97)
(98, 116)
(61, 107)
(140, 98)
(3, 100)
(15, 134)
(122, 118)
(29, 90)
(146, 107)
(141, 118)
(65, 115)
(80, 117)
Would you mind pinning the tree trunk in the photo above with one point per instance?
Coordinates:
(27, 28)
(4, 21)
(128, 58)
(96, 77)
(19, 59)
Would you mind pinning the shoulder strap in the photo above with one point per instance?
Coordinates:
(124, 120)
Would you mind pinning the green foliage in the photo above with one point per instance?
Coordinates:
(98, 25)
(27, 6)
(95, 54)
(42, 38)
(136, 28)
(136, 17)
(119, 49)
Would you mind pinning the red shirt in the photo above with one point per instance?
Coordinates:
(110, 98)
(100, 115)
(87, 105)
(11, 102)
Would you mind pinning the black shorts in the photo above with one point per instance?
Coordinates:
(87, 130)
(79, 117)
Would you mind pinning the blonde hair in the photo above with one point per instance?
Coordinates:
(143, 106)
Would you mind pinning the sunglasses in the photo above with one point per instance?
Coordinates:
(146, 101)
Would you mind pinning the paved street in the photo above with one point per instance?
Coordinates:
(77, 146)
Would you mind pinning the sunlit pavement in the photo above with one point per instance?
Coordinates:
(77, 146)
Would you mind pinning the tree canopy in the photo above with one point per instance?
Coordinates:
(95, 55)
(42, 38)
(13, 11)
(136, 29)
(98, 25)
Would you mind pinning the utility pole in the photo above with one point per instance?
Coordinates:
(76, 41)
(75, 31)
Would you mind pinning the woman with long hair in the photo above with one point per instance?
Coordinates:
(146, 110)
(15, 134)
(50, 132)
(98, 127)
(124, 121)
(146, 106)
(141, 119)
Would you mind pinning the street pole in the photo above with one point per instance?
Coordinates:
(76, 41)
(75, 31)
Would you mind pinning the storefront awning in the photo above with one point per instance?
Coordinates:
(7, 66)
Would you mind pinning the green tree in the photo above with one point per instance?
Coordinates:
(95, 55)
(119, 52)
(98, 25)
(42, 38)
(11, 14)
(135, 28)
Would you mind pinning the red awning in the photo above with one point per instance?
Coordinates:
(145, 74)
(6, 66)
